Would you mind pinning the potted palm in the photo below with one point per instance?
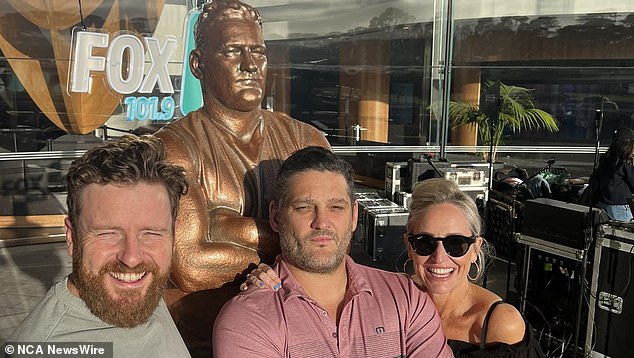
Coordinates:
(516, 110)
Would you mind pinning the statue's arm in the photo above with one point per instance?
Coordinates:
(212, 247)
(212, 250)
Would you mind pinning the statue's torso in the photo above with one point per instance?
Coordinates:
(231, 175)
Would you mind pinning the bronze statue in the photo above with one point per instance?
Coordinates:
(231, 149)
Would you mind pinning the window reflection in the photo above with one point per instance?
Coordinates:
(372, 72)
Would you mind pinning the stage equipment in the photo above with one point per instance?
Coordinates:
(426, 168)
(384, 229)
(504, 216)
(372, 165)
(403, 198)
(379, 203)
(549, 288)
(503, 220)
(559, 222)
(367, 196)
(611, 307)
(470, 177)
(363, 197)
(591, 228)
(567, 225)
(471, 181)
(466, 177)
(368, 201)
(395, 177)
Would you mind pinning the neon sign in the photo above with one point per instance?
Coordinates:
(126, 73)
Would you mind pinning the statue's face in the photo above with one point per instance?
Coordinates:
(234, 64)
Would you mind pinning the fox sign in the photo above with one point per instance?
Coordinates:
(125, 70)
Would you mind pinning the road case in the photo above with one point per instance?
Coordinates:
(384, 235)
(395, 176)
(549, 279)
(610, 327)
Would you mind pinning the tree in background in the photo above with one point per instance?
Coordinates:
(517, 112)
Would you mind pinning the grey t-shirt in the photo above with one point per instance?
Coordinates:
(62, 317)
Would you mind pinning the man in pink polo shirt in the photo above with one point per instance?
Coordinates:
(328, 306)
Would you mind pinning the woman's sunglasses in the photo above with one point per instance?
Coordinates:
(455, 245)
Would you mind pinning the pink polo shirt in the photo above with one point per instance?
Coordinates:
(384, 315)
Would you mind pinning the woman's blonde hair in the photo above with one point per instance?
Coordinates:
(439, 190)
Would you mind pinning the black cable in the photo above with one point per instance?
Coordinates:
(131, 131)
(431, 164)
(81, 17)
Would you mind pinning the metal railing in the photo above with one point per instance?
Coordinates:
(468, 149)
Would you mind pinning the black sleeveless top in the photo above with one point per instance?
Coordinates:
(528, 348)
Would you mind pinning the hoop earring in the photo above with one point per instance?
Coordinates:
(405, 267)
(477, 265)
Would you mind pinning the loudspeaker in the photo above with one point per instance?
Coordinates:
(611, 311)
(559, 222)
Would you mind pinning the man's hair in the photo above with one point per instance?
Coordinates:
(219, 10)
(128, 161)
(312, 158)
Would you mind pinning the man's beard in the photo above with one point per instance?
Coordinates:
(297, 253)
(131, 308)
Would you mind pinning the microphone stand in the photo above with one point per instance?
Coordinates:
(429, 159)
(493, 118)
(589, 232)
(492, 106)
(492, 128)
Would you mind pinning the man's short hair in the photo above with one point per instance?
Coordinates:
(312, 158)
(219, 10)
(129, 160)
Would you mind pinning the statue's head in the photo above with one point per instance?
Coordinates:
(230, 55)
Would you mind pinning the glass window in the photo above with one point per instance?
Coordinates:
(375, 76)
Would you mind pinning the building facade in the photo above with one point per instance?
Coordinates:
(375, 76)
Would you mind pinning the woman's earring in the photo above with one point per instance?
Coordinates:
(477, 265)
(405, 267)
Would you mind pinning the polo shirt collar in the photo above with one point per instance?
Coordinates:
(357, 281)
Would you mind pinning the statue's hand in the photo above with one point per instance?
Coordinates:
(262, 276)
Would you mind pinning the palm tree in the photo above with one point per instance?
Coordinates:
(517, 111)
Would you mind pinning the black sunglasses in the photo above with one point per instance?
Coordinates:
(455, 245)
